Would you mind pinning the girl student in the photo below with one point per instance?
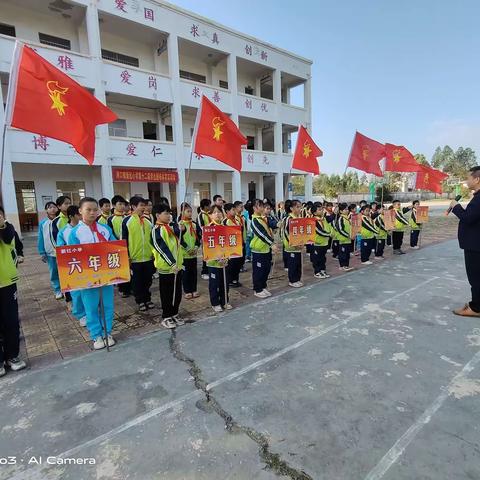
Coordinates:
(234, 264)
(294, 253)
(343, 229)
(323, 232)
(262, 246)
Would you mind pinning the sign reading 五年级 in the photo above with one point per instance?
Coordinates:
(356, 221)
(221, 241)
(301, 231)
(422, 214)
(91, 265)
(389, 219)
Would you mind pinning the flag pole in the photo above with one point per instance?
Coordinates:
(103, 320)
(225, 283)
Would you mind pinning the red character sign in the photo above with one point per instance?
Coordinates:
(221, 241)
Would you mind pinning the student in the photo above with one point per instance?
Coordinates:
(415, 226)
(381, 236)
(294, 253)
(169, 263)
(262, 247)
(323, 232)
(367, 232)
(270, 216)
(9, 322)
(401, 223)
(136, 230)
(352, 209)
(343, 230)
(216, 282)
(88, 230)
(203, 220)
(78, 309)
(374, 210)
(329, 216)
(46, 247)
(234, 264)
(147, 214)
(105, 211)
(219, 202)
(242, 222)
(247, 215)
(190, 243)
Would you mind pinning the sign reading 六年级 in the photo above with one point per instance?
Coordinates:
(221, 241)
(389, 219)
(301, 231)
(91, 265)
(422, 214)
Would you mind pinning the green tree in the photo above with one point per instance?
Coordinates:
(421, 159)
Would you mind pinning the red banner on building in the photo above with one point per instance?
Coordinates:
(91, 265)
(144, 175)
(301, 231)
(221, 241)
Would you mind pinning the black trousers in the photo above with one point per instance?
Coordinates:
(285, 258)
(142, 281)
(344, 254)
(367, 245)
(125, 288)
(261, 266)
(472, 266)
(294, 266)
(216, 286)
(233, 269)
(380, 247)
(318, 257)
(397, 240)
(190, 275)
(414, 234)
(9, 324)
(335, 248)
(389, 238)
(169, 304)
(204, 269)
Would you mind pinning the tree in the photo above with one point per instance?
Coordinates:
(298, 182)
(421, 159)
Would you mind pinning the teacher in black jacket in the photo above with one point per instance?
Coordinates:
(469, 240)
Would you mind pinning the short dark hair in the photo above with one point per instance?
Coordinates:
(215, 207)
(61, 200)
(103, 201)
(49, 204)
(475, 171)
(118, 198)
(415, 201)
(328, 204)
(159, 208)
(258, 203)
(72, 210)
(148, 200)
(237, 203)
(342, 206)
(215, 197)
(396, 201)
(205, 203)
(364, 207)
(86, 200)
(228, 206)
(135, 200)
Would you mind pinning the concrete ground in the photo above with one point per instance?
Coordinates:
(365, 376)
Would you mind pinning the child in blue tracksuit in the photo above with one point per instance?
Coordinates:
(89, 230)
(78, 309)
(46, 247)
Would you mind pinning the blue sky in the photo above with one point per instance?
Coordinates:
(404, 72)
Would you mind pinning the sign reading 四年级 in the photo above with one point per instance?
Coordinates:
(301, 231)
(91, 265)
(221, 241)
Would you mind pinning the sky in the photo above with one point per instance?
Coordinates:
(405, 72)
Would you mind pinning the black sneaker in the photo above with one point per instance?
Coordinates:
(124, 295)
(16, 364)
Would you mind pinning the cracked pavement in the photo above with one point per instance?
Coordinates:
(364, 376)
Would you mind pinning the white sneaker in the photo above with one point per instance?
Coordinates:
(261, 294)
(267, 292)
(296, 284)
(3, 372)
(416, 247)
(286, 269)
(179, 321)
(58, 296)
(321, 275)
(83, 322)
(205, 276)
(16, 364)
(111, 341)
(169, 323)
(228, 306)
(368, 262)
(99, 343)
(325, 274)
(379, 258)
(347, 269)
(217, 309)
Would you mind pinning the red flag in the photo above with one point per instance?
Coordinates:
(306, 153)
(46, 101)
(399, 159)
(366, 155)
(217, 135)
(430, 179)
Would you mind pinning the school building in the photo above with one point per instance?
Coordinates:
(150, 62)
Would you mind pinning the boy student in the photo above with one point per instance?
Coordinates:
(88, 230)
(234, 264)
(294, 253)
(203, 220)
(169, 263)
(9, 323)
(217, 287)
(105, 208)
(243, 223)
(136, 230)
(148, 211)
(381, 236)
(323, 232)
(401, 223)
(368, 231)
(262, 247)
(46, 247)
(343, 230)
(190, 242)
(415, 226)
(78, 309)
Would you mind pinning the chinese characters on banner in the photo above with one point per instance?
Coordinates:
(422, 214)
(144, 175)
(389, 219)
(301, 231)
(220, 241)
(92, 265)
(356, 221)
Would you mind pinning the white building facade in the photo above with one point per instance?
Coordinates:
(150, 62)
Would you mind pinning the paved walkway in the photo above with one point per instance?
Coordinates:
(52, 334)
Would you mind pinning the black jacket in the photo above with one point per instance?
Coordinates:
(469, 226)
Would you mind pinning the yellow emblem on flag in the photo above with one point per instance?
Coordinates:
(396, 156)
(365, 151)
(217, 130)
(307, 150)
(426, 178)
(55, 92)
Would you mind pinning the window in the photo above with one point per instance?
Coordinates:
(119, 58)
(250, 143)
(74, 190)
(118, 128)
(7, 30)
(249, 90)
(168, 133)
(25, 193)
(54, 41)
(227, 192)
(223, 84)
(149, 130)
(200, 191)
(195, 77)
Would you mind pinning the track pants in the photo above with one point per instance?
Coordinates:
(91, 302)
(261, 266)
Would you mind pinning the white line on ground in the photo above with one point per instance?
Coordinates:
(402, 443)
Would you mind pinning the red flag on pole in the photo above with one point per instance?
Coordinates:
(430, 179)
(44, 100)
(217, 136)
(399, 159)
(366, 155)
(306, 153)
